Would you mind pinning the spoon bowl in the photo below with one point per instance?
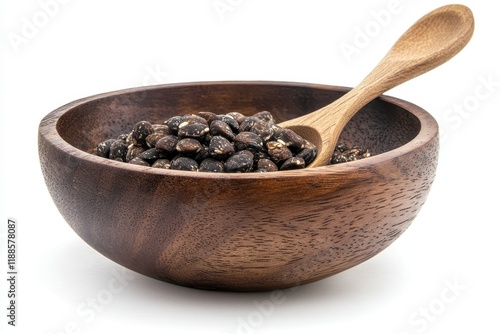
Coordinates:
(431, 41)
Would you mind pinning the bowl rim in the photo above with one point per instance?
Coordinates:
(428, 131)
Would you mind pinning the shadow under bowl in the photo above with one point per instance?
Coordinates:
(238, 232)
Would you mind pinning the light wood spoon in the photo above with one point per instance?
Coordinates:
(430, 42)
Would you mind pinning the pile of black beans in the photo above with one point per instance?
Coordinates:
(209, 142)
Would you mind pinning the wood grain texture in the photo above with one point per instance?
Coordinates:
(244, 232)
(430, 42)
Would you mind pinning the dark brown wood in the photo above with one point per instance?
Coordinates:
(240, 232)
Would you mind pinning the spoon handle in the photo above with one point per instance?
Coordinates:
(431, 41)
(413, 54)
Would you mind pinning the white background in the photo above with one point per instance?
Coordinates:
(438, 277)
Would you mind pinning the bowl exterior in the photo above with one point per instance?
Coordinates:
(245, 232)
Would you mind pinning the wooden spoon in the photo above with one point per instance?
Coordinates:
(431, 41)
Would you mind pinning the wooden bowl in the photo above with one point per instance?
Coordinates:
(240, 232)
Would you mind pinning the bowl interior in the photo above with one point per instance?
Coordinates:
(380, 126)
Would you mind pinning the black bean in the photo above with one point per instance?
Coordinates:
(193, 119)
(129, 139)
(278, 151)
(102, 149)
(239, 117)
(133, 152)
(240, 162)
(197, 130)
(207, 115)
(248, 141)
(167, 144)
(118, 150)
(361, 151)
(247, 153)
(247, 123)
(139, 161)
(122, 137)
(188, 146)
(338, 158)
(263, 129)
(309, 145)
(140, 131)
(341, 148)
(161, 163)
(153, 138)
(184, 163)
(161, 128)
(220, 148)
(173, 124)
(203, 154)
(293, 163)
(266, 165)
(290, 138)
(220, 128)
(150, 155)
(265, 116)
(308, 154)
(235, 126)
(212, 166)
(260, 155)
